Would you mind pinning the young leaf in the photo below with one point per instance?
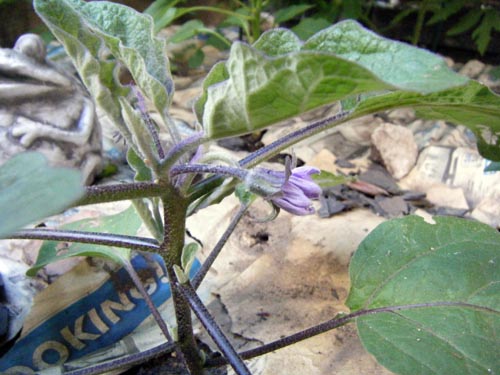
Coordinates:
(142, 171)
(290, 12)
(85, 28)
(278, 42)
(126, 222)
(31, 190)
(188, 256)
(451, 269)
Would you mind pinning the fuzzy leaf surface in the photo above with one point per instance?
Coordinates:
(91, 31)
(280, 77)
(451, 267)
(472, 105)
(126, 222)
(31, 190)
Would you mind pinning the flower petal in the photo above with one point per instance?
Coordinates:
(308, 186)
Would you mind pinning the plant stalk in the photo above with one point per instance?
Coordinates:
(214, 330)
(119, 192)
(327, 326)
(174, 209)
(105, 239)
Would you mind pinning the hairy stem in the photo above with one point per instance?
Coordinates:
(207, 168)
(116, 240)
(126, 361)
(327, 326)
(274, 148)
(120, 192)
(268, 151)
(175, 206)
(154, 311)
(179, 150)
(213, 330)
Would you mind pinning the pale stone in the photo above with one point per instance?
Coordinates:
(324, 160)
(488, 211)
(472, 69)
(397, 148)
(360, 129)
(446, 196)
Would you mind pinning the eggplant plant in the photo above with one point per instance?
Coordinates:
(424, 297)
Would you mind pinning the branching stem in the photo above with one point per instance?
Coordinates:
(327, 326)
(117, 240)
(120, 192)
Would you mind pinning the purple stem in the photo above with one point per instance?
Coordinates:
(327, 326)
(117, 240)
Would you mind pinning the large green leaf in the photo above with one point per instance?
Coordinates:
(280, 77)
(451, 268)
(397, 63)
(91, 31)
(126, 222)
(31, 190)
(262, 91)
(472, 105)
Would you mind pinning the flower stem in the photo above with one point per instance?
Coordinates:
(179, 150)
(206, 168)
(274, 148)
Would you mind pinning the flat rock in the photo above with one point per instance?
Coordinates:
(446, 196)
(396, 147)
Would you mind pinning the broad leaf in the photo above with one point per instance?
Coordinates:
(472, 105)
(126, 222)
(262, 91)
(280, 77)
(396, 63)
(451, 269)
(31, 190)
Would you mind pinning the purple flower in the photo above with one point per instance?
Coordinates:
(291, 190)
(297, 192)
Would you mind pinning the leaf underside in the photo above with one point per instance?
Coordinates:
(280, 77)
(452, 266)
